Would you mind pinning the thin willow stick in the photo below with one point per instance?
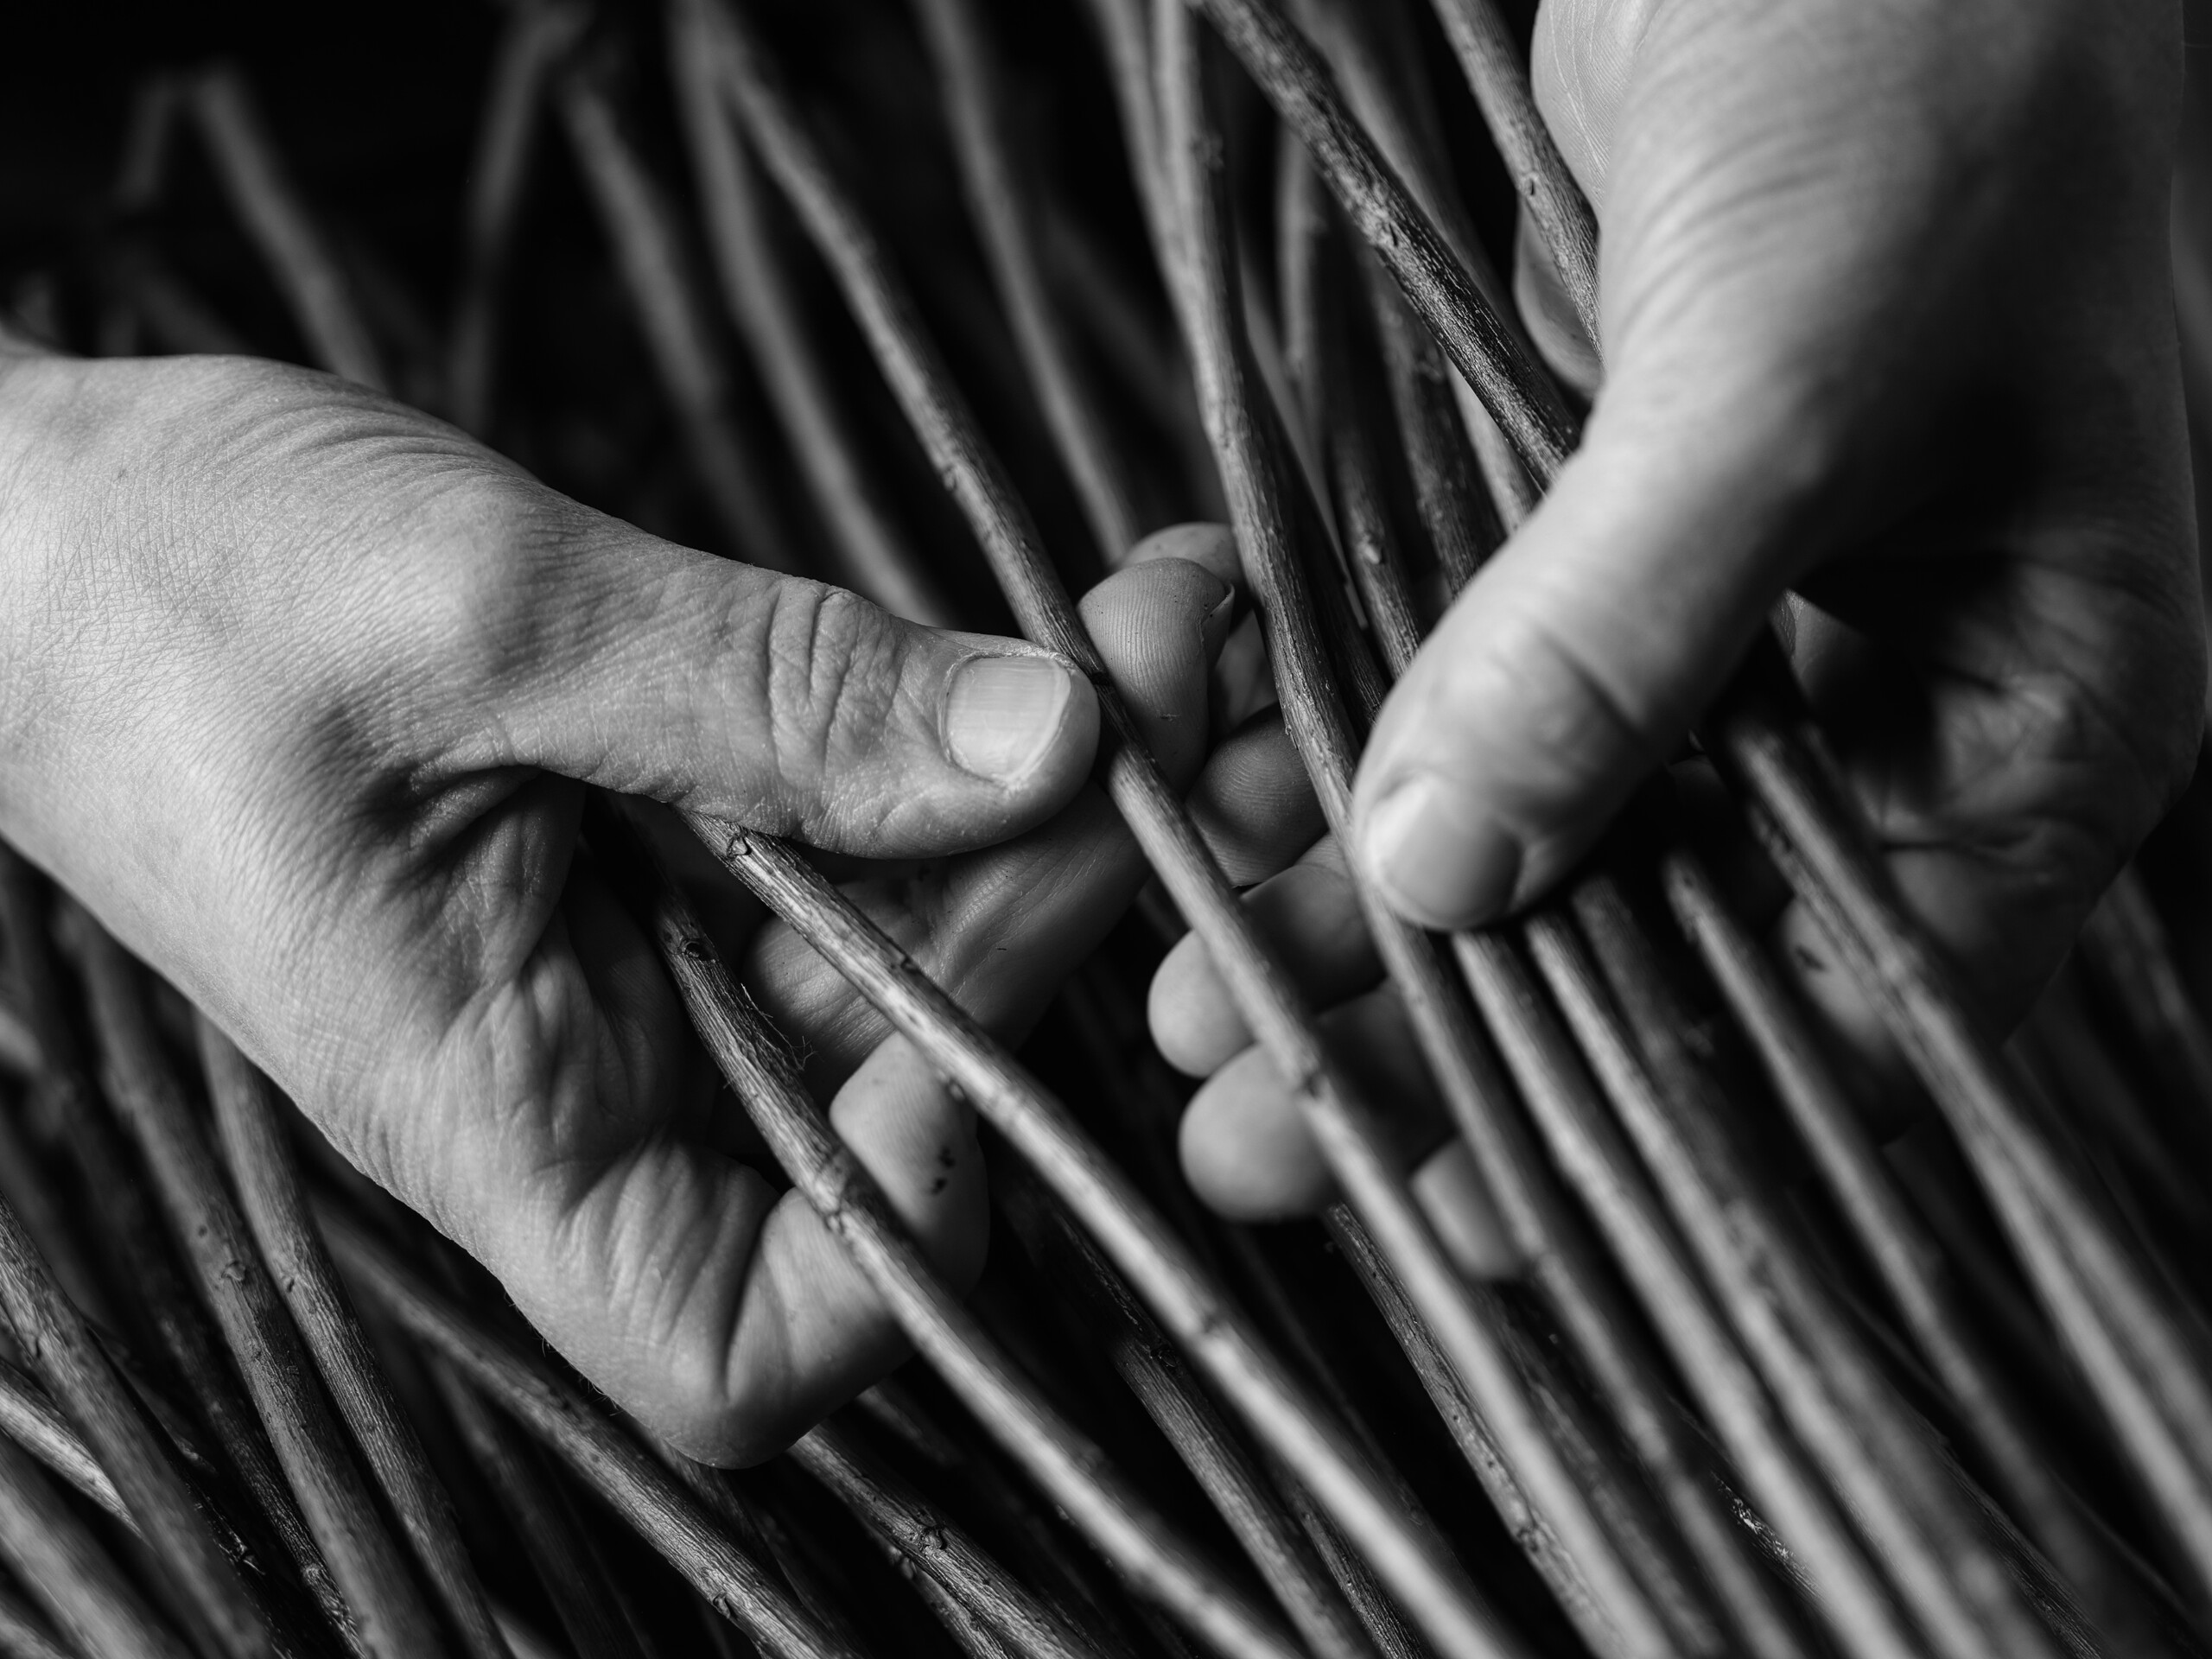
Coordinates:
(24, 1634)
(2125, 950)
(1231, 1478)
(2140, 1359)
(1603, 1170)
(261, 194)
(1001, 204)
(30, 1419)
(1909, 1261)
(57, 1558)
(763, 1533)
(1491, 58)
(537, 37)
(18, 1048)
(252, 1138)
(1369, 45)
(1777, 769)
(388, 1614)
(1319, 724)
(1432, 1588)
(641, 227)
(1140, 1541)
(1468, 1428)
(936, 1547)
(761, 292)
(646, 1496)
(1513, 386)
(38, 1195)
(69, 1358)
(546, 1524)
(1844, 1411)
(970, 1466)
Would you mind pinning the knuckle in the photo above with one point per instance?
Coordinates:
(828, 667)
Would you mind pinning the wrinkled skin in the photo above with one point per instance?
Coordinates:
(300, 692)
(1887, 333)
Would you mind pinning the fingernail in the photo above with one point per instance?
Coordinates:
(1004, 713)
(1440, 858)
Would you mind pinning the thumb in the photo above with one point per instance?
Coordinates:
(1573, 663)
(784, 704)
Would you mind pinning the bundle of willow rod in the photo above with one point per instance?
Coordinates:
(1759, 1385)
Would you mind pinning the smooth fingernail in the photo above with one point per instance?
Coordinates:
(1004, 714)
(1440, 858)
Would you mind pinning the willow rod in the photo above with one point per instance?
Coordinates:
(1761, 734)
(530, 46)
(1513, 386)
(2083, 1273)
(1226, 1470)
(647, 1497)
(1465, 1070)
(80, 1586)
(1561, 1261)
(2164, 1418)
(1845, 1413)
(1125, 1528)
(1001, 204)
(761, 292)
(18, 1048)
(642, 232)
(1431, 1586)
(391, 1617)
(572, 1572)
(250, 1137)
(24, 1633)
(1603, 1170)
(315, 284)
(1908, 1261)
(1369, 45)
(69, 1359)
(1490, 58)
(936, 1546)
(2127, 951)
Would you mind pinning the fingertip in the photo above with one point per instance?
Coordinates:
(1245, 1149)
(1209, 545)
(1194, 1022)
(1456, 1200)
(1438, 855)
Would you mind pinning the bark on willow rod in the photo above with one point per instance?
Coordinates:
(1844, 1411)
(1603, 1170)
(760, 291)
(530, 46)
(68, 1357)
(82, 1588)
(1318, 723)
(388, 1612)
(1431, 1586)
(251, 1136)
(642, 230)
(1117, 1519)
(313, 284)
(638, 1489)
(929, 1543)
(1231, 1478)
(1908, 1261)
(1002, 203)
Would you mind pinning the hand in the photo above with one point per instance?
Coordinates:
(300, 692)
(1889, 339)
